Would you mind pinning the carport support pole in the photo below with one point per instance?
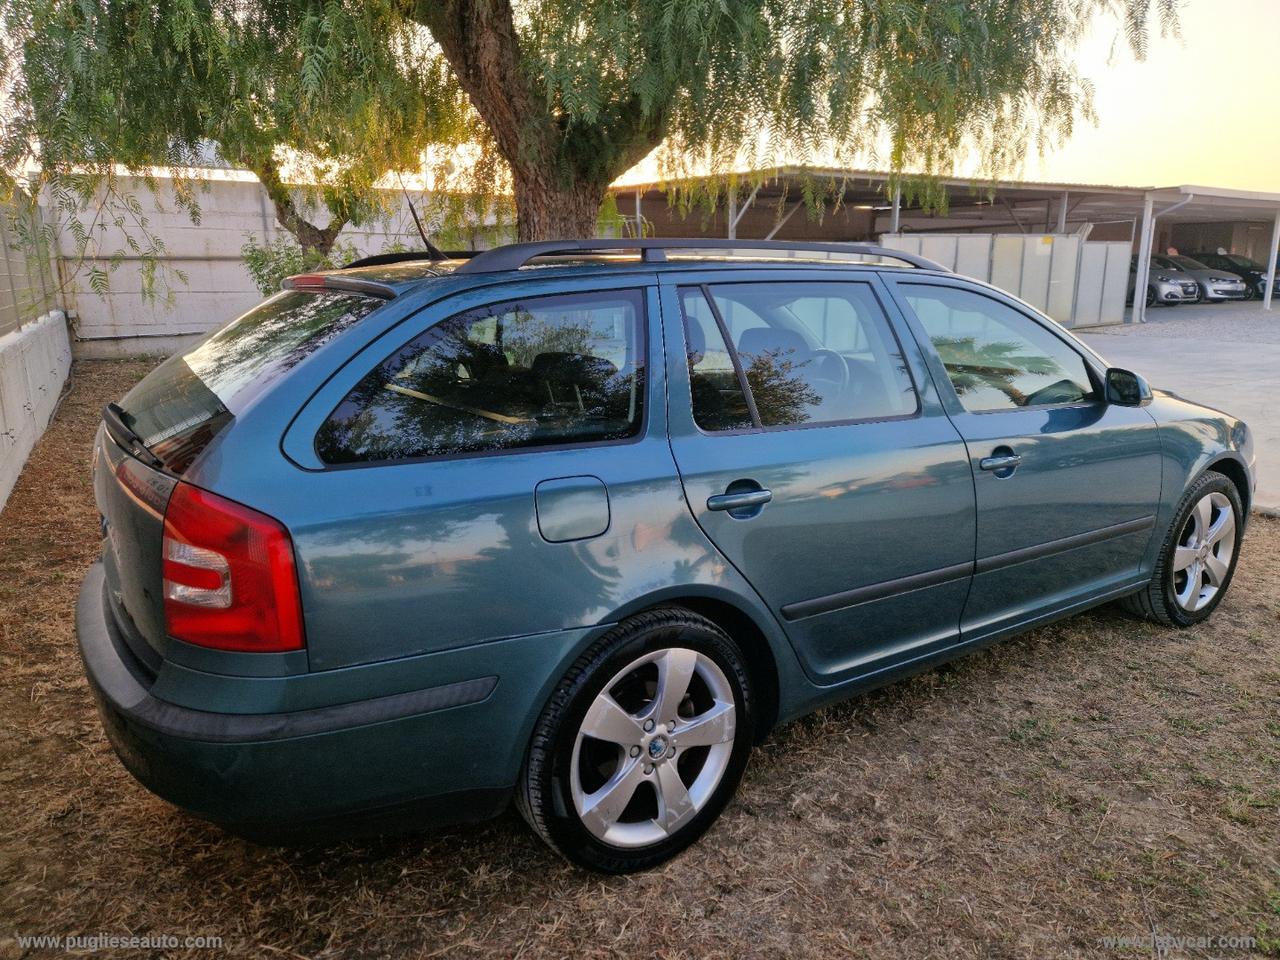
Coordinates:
(1062, 213)
(1271, 261)
(895, 218)
(1143, 267)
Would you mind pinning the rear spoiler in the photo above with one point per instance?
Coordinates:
(336, 281)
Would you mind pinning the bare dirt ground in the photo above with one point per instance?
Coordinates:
(1097, 778)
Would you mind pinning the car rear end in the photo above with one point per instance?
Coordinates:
(191, 627)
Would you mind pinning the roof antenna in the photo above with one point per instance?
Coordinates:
(435, 252)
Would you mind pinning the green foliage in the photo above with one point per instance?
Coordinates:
(330, 95)
(270, 263)
(561, 96)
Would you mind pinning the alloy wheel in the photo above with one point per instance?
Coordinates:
(652, 747)
(1202, 558)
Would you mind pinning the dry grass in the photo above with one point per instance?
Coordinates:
(1096, 778)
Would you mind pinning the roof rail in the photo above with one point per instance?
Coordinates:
(381, 259)
(653, 250)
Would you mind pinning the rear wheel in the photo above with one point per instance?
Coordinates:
(641, 745)
(1198, 557)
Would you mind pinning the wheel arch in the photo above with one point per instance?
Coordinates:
(759, 642)
(1235, 471)
(761, 663)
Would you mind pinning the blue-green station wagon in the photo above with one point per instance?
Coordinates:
(578, 523)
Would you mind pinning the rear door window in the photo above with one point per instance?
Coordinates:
(521, 373)
(815, 352)
(719, 402)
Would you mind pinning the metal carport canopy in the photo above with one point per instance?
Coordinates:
(1190, 203)
(973, 205)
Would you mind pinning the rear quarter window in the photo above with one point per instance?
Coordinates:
(522, 373)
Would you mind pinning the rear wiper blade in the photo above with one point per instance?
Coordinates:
(124, 435)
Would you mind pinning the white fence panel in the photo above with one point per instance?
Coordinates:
(1077, 283)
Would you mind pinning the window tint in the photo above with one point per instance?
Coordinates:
(718, 400)
(821, 353)
(545, 370)
(996, 357)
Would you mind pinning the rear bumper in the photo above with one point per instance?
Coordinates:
(428, 754)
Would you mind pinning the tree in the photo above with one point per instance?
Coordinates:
(341, 95)
(574, 92)
(569, 93)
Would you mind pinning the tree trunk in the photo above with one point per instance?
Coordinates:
(549, 210)
(309, 236)
(555, 198)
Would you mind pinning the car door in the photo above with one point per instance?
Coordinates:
(1067, 485)
(815, 454)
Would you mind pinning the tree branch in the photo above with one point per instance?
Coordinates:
(308, 235)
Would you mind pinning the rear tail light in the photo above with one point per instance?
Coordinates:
(229, 575)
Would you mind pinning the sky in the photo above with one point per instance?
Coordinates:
(1203, 108)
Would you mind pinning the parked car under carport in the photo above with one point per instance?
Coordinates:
(1254, 273)
(1216, 285)
(1165, 284)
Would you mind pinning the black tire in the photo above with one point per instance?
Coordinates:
(1249, 292)
(1151, 296)
(1157, 601)
(544, 796)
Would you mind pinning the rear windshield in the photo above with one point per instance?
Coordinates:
(209, 384)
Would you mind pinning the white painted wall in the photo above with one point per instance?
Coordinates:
(218, 288)
(34, 363)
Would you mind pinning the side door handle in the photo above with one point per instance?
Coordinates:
(739, 501)
(1002, 462)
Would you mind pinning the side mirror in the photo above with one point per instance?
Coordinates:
(1126, 389)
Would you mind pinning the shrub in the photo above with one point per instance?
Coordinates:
(270, 263)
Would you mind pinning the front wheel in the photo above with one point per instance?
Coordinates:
(641, 745)
(1198, 557)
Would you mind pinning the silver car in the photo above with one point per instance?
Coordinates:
(1215, 285)
(1167, 284)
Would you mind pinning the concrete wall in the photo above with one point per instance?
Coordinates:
(123, 322)
(1078, 283)
(34, 363)
(1249, 238)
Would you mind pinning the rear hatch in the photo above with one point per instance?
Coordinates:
(154, 435)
